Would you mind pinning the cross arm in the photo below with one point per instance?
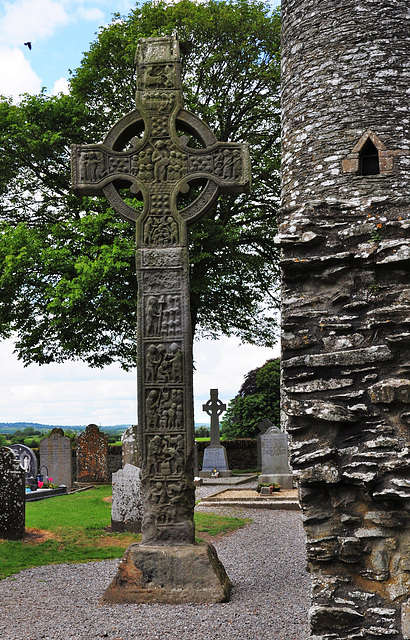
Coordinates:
(93, 166)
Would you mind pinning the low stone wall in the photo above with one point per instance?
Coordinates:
(241, 455)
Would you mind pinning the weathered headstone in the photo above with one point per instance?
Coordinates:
(157, 167)
(196, 463)
(129, 441)
(126, 507)
(275, 458)
(56, 455)
(12, 496)
(28, 461)
(92, 452)
(262, 427)
(215, 454)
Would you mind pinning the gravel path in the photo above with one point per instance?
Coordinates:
(270, 595)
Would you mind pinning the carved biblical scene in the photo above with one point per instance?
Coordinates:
(159, 76)
(160, 231)
(163, 258)
(92, 166)
(228, 164)
(160, 102)
(163, 315)
(141, 165)
(164, 409)
(166, 499)
(165, 456)
(164, 363)
(169, 163)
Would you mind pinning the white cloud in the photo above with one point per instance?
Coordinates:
(30, 20)
(16, 74)
(92, 14)
(222, 364)
(72, 393)
(60, 86)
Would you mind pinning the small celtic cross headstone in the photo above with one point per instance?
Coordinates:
(214, 407)
(215, 457)
(146, 152)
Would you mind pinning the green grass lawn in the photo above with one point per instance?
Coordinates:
(76, 528)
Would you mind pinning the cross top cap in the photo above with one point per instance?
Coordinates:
(146, 152)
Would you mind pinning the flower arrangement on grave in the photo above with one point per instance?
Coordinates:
(273, 486)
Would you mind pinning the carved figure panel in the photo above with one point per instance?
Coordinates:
(92, 166)
(160, 102)
(166, 500)
(163, 315)
(228, 164)
(160, 280)
(164, 363)
(161, 257)
(164, 409)
(158, 76)
(165, 456)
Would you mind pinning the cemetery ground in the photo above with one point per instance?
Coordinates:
(263, 554)
(76, 528)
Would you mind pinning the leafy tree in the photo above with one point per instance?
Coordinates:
(67, 271)
(258, 398)
(202, 432)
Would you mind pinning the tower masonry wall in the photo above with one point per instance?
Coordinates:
(345, 240)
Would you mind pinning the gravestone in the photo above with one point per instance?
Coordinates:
(126, 507)
(28, 461)
(275, 458)
(196, 463)
(215, 454)
(263, 427)
(129, 441)
(56, 456)
(92, 453)
(157, 167)
(12, 496)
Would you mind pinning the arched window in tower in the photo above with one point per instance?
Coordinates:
(369, 159)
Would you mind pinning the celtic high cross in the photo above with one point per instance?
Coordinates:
(148, 151)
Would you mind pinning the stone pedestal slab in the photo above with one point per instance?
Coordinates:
(171, 575)
(215, 458)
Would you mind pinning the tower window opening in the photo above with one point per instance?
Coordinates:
(369, 159)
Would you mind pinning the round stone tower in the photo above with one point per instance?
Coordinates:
(344, 232)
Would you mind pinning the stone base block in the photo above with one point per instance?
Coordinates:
(120, 526)
(285, 480)
(169, 575)
(222, 474)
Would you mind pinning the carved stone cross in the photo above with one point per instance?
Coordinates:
(149, 153)
(214, 407)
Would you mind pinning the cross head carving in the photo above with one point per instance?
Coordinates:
(149, 152)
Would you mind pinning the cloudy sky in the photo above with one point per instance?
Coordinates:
(71, 393)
